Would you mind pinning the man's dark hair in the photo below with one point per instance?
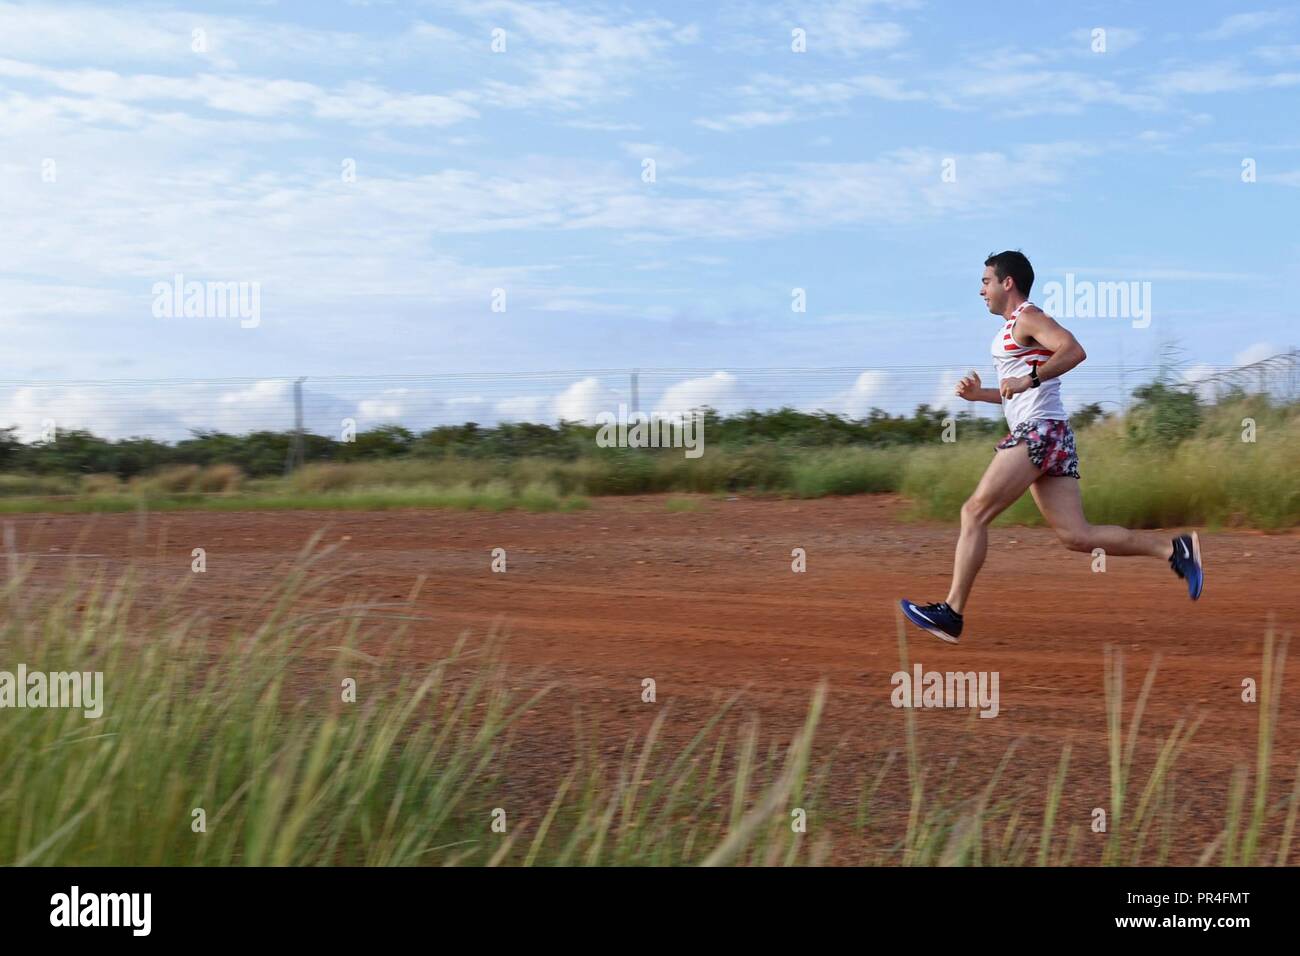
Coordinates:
(1013, 263)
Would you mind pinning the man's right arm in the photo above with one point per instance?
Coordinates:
(970, 388)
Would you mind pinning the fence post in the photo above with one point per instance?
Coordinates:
(1123, 385)
(295, 457)
(636, 391)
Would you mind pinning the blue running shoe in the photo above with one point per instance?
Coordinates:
(1186, 562)
(939, 619)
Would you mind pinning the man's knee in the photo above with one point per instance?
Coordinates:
(977, 511)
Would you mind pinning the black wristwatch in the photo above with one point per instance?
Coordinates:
(1033, 377)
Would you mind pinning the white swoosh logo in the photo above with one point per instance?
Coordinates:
(917, 611)
(1186, 553)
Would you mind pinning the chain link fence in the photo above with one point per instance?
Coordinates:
(169, 410)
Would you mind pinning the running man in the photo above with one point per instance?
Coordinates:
(1031, 352)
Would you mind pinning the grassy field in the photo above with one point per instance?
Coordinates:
(244, 751)
(275, 495)
(1132, 475)
(1210, 478)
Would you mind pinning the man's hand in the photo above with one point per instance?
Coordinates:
(969, 387)
(1014, 385)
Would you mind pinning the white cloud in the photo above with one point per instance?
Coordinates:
(903, 186)
(568, 58)
(359, 103)
(585, 399)
(1255, 353)
(845, 28)
(1241, 23)
(604, 126)
(389, 407)
(944, 393)
(167, 411)
(748, 119)
(1017, 85)
(365, 104)
(1196, 375)
(1027, 92)
(130, 209)
(773, 99)
(867, 392)
(30, 409)
(665, 157)
(718, 391)
(1115, 273)
(89, 33)
(1279, 52)
(580, 306)
(526, 408)
(225, 166)
(1222, 77)
(1118, 39)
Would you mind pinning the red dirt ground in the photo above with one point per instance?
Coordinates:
(705, 602)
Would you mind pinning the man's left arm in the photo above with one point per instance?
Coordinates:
(1050, 334)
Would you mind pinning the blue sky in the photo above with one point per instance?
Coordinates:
(522, 170)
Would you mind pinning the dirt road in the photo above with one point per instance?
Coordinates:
(705, 602)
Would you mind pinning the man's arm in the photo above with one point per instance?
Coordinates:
(969, 388)
(1047, 332)
(1044, 330)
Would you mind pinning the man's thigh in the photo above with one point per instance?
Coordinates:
(1006, 478)
(1060, 501)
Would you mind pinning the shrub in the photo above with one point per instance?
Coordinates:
(100, 484)
(220, 478)
(177, 479)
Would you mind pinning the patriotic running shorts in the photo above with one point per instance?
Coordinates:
(1051, 446)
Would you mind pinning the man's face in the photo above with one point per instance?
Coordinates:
(994, 290)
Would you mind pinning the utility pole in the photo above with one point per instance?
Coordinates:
(298, 455)
(1123, 385)
(295, 457)
(636, 391)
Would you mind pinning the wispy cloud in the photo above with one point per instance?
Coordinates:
(839, 28)
(110, 95)
(1241, 23)
(1220, 77)
(383, 172)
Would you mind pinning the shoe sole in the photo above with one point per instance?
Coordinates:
(941, 635)
(1196, 556)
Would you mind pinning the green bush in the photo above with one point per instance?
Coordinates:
(1163, 415)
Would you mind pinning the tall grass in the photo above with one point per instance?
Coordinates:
(1140, 824)
(848, 471)
(240, 748)
(199, 734)
(272, 496)
(1211, 478)
(1129, 827)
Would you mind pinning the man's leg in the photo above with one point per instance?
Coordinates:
(1061, 503)
(1006, 478)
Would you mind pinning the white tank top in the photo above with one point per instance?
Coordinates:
(1013, 360)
